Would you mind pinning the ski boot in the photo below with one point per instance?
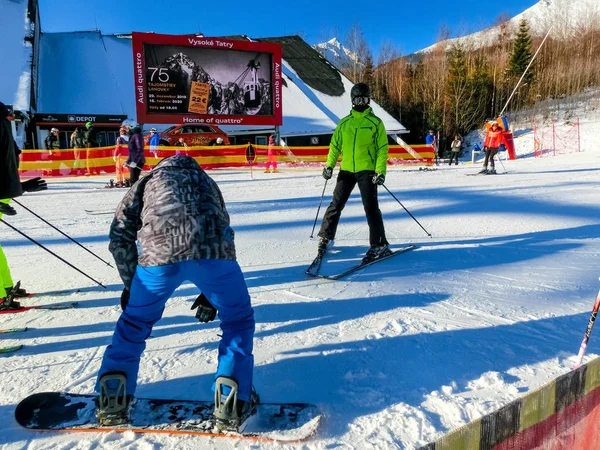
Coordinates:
(492, 171)
(110, 185)
(231, 413)
(17, 291)
(8, 302)
(484, 170)
(113, 404)
(323, 245)
(376, 252)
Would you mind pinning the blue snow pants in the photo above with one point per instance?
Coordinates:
(222, 282)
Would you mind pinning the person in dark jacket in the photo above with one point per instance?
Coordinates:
(90, 139)
(136, 159)
(52, 144)
(178, 216)
(10, 187)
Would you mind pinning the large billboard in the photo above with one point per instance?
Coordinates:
(190, 79)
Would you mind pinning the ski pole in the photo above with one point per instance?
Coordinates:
(64, 234)
(500, 159)
(428, 234)
(51, 252)
(588, 332)
(318, 209)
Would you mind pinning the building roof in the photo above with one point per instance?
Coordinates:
(91, 73)
(15, 76)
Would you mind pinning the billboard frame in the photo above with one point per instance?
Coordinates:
(193, 41)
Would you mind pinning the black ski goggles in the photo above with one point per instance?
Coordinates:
(360, 101)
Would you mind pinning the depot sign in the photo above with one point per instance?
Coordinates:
(78, 119)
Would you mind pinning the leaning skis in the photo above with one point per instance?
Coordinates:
(358, 266)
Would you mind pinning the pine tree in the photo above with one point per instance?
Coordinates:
(368, 72)
(521, 54)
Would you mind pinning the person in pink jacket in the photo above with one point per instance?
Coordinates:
(120, 155)
(271, 156)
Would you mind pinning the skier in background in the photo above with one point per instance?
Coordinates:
(362, 141)
(455, 147)
(90, 139)
(154, 142)
(52, 145)
(136, 160)
(431, 139)
(493, 140)
(120, 156)
(178, 215)
(77, 143)
(271, 156)
(11, 187)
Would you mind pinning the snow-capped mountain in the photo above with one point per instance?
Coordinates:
(336, 53)
(566, 16)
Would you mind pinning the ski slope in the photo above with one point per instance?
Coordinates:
(494, 305)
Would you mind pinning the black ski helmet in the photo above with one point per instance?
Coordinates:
(360, 90)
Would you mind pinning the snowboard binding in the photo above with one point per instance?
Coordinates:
(113, 403)
(231, 413)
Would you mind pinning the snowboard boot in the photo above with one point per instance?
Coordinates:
(484, 170)
(231, 413)
(323, 245)
(376, 252)
(113, 404)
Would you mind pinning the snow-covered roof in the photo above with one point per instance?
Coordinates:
(15, 53)
(85, 72)
(89, 73)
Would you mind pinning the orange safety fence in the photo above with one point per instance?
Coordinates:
(70, 161)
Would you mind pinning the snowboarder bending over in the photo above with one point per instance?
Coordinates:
(362, 141)
(178, 215)
(493, 140)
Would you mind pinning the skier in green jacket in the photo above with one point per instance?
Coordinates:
(361, 140)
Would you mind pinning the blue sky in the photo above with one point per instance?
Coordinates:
(409, 25)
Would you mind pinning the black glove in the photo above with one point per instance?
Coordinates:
(34, 185)
(378, 179)
(7, 209)
(327, 172)
(124, 298)
(206, 311)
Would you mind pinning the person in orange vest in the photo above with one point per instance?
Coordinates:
(493, 141)
(120, 156)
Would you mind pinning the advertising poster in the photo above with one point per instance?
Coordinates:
(190, 79)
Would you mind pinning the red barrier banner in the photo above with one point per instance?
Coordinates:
(73, 162)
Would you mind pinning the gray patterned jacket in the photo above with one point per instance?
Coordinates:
(177, 213)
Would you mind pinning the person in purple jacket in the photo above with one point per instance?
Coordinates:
(136, 159)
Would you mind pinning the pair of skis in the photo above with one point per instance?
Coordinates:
(313, 269)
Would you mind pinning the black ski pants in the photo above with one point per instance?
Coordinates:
(453, 156)
(368, 192)
(134, 174)
(489, 156)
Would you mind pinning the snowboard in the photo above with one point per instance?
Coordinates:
(62, 412)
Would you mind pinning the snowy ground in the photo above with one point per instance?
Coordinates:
(397, 354)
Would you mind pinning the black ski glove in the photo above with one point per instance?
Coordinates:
(124, 298)
(34, 185)
(7, 209)
(327, 172)
(206, 311)
(378, 179)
